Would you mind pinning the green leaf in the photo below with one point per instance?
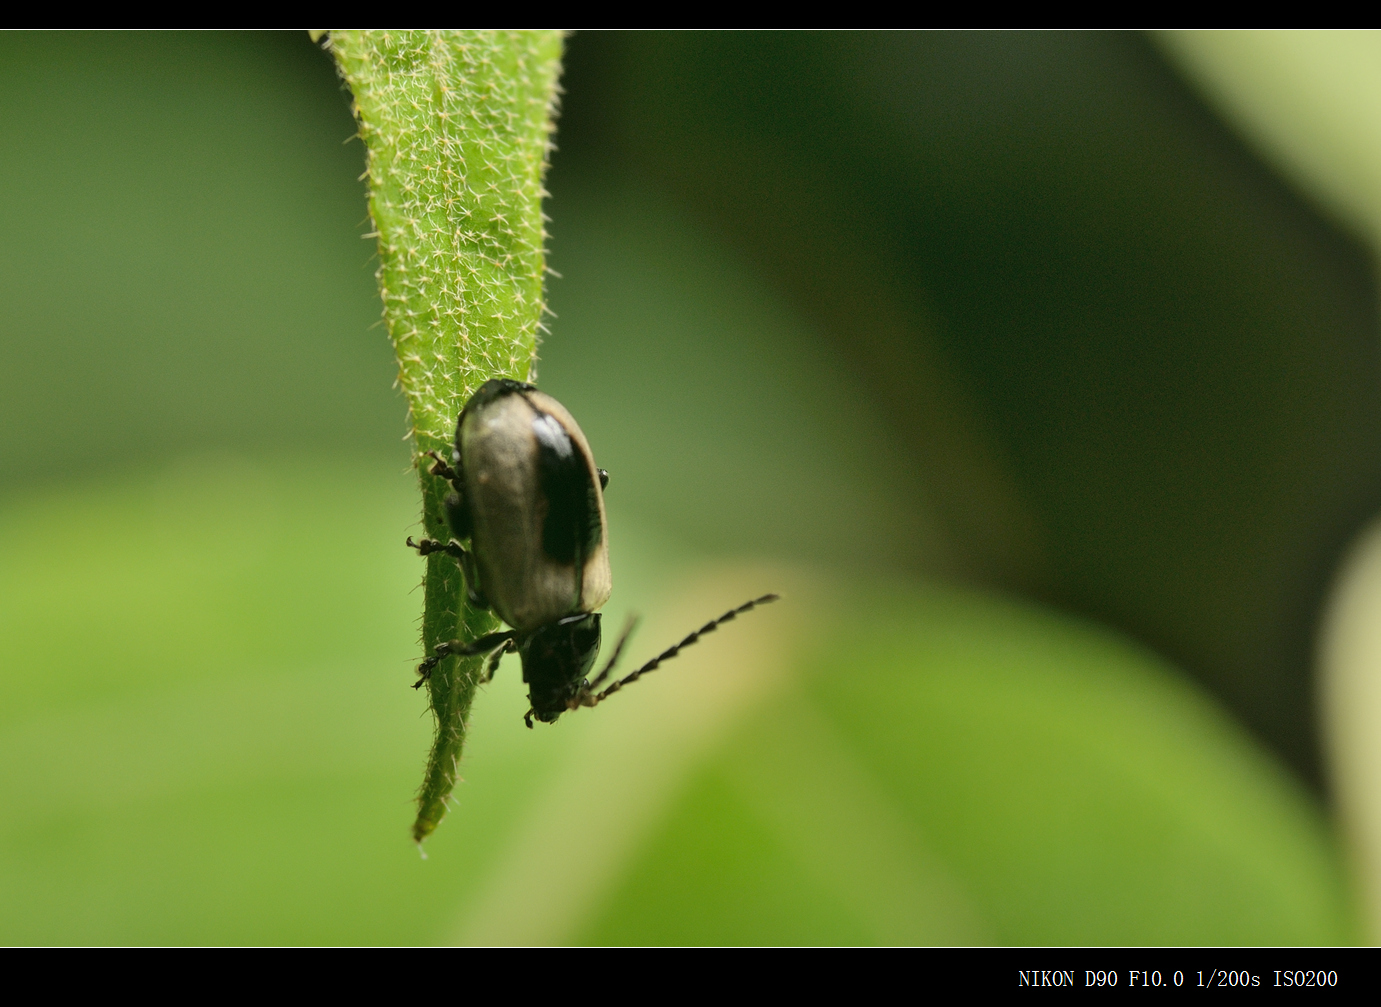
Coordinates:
(945, 766)
(456, 127)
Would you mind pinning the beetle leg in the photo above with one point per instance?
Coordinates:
(473, 592)
(457, 514)
(493, 664)
(440, 467)
(459, 648)
(427, 546)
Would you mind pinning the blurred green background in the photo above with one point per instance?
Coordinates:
(1048, 405)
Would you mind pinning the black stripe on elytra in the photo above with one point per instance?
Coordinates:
(572, 530)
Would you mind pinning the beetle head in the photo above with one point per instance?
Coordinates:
(556, 659)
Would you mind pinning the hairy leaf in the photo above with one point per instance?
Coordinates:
(456, 127)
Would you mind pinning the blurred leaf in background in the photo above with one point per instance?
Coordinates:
(1136, 374)
(846, 316)
(183, 263)
(1310, 102)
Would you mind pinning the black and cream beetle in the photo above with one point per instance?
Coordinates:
(528, 497)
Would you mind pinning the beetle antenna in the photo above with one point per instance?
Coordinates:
(671, 652)
(628, 628)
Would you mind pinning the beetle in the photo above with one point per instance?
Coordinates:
(527, 495)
